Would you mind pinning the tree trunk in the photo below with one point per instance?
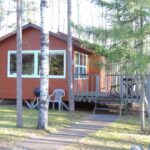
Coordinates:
(139, 80)
(70, 62)
(19, 64)
(44, 67)
(142, 78)
(58, 28)
(142, 106)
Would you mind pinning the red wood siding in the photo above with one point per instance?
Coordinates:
(31, 41)
(94, 68)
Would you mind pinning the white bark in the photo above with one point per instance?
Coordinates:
(139, 82)
(142, 107)
(19, 64)
(44, 68)
(70, 62)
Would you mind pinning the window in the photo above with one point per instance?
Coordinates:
(27, 64)
(31, 64)
(80, 65)
(13, 64)
(56, 64)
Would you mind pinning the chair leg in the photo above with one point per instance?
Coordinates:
(62, 106)
(59, 105)
(53, 106)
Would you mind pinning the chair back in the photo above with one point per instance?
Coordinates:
(58, 94)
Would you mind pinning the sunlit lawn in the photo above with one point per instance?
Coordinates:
(57, 120)
(120, 135)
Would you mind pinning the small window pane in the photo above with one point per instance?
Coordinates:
(77, 59)
(56, 64)
(84, 60)
(13, 60)
(81, 60)
(28, 64)
(39, 63)
(77, 72)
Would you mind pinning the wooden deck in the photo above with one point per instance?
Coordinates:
(119, 90)
(101, 100)
(92, 97)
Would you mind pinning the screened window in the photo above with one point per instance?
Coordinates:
(31, 64)
(27, 64)
(56, 64)
(80, 65)
(13, 62)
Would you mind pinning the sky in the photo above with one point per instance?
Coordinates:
(89, 14)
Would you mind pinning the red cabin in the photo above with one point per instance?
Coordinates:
(85, 62)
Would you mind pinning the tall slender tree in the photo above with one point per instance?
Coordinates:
(58, 27)
(19, 64)
(127, 39)
(1, 14)
(70, 62)
(44, 67)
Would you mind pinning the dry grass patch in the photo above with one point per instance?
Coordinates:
(120, 135)
(57, 120)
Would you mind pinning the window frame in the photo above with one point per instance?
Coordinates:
(36, 53)
(79, 65)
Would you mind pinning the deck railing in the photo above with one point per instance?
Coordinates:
(123, 86)
(86, 85)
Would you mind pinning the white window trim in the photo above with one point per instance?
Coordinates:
(36, 52)
(81, 65)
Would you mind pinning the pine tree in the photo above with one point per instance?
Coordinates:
(126, 38)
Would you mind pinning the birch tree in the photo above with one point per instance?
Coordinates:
(19, 64)
(44, 67)
(70, 62)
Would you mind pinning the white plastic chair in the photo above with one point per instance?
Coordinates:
(57, 98)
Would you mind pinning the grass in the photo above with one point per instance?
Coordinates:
(57, 120)
(120, 135)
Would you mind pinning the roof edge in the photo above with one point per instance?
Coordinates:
(62, 36)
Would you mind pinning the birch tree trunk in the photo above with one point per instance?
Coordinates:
(44, 67)
(70, 62)
(19, 64)
(142, 107)
(142, 79)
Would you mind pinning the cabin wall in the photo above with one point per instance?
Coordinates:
(96, 68)
(31, 41)
(80, 84)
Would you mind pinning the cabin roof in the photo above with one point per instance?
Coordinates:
(60, 35)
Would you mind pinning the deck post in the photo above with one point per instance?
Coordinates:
(121, 87)
(82, 86)
(87, 85)
(121, 94)
(148, 88)
(97, 85)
